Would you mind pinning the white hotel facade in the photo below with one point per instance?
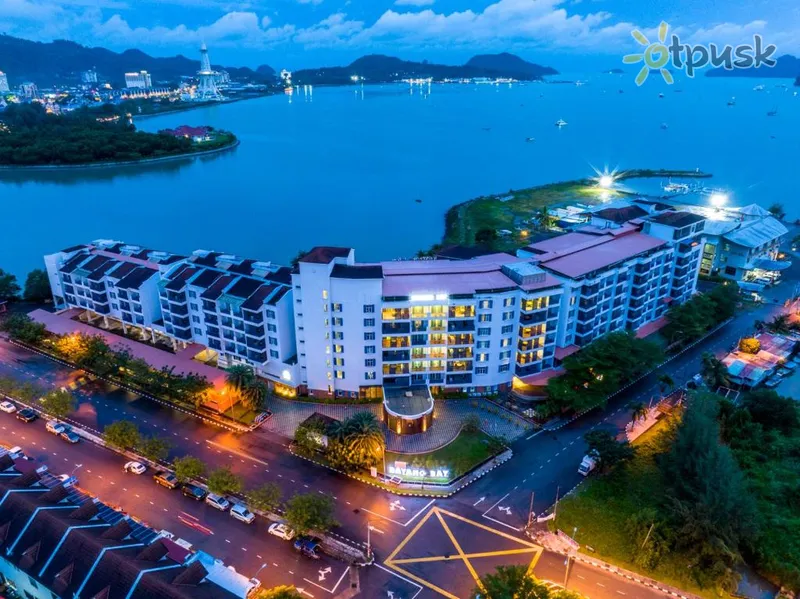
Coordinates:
(332, 326)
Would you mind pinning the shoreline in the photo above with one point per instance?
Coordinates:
(192, 106)
(11, 168)
(463, 221)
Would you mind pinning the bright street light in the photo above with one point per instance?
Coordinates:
(605, 181)
(718, 200)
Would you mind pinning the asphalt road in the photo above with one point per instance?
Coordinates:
(544, 465)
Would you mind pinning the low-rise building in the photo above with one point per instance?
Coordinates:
(141, 79)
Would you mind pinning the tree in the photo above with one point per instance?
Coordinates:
(59, 403)
(780, 325)
(9, 289)
(749, 345)
(666, 383)
(254, 395)
(223, 481)
(154, 448)
(772, 411)
(281, 592)
(777, 210)
(714, 372)
(22, 328)
(609, 451)
(364, 438)
(37, 286)
(266, 498)
(239, 376)
(486, 237)
(308, 436)
(711, 508)
(514, 582)
(639, 411)
(471, 424)
(188, 468)
(310, 512)
(122, 434)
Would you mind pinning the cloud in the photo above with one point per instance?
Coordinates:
(413, 2)
(334, 30)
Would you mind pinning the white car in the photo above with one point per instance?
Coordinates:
(55, 427)
(218, 502)
(135, 467)
(281, 531)
(240, 512)
(8, 407)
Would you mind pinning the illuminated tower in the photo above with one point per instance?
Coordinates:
(207, 84)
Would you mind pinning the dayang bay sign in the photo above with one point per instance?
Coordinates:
(401, 469)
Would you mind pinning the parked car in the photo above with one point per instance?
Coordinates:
(67, 480)
(8, 407)
(218, 502)
(241, 513)
(193, 491)
(55, 427)
(134, 467)
(307, 546)
(69, 436)
(27, 415)
(166, 479)
(281, 531)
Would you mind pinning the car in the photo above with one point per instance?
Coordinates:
(69, 436)
(193, 491)
(134, 467)
(67, 480)
(307, 546)
(27, 415)
(218, 502)
(166, 479)
(281, 531)
(55, 427)
(240, 512)
(8, 407)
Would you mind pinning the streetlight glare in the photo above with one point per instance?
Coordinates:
(718, 200)
(605, 181)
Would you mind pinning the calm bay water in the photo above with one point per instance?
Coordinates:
(345, 166)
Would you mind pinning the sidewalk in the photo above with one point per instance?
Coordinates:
(553, 542)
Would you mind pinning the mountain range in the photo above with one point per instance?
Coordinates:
(62, 62)
(377, 68)
(786, 67)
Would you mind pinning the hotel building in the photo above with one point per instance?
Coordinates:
(336, 327)
(141, 80)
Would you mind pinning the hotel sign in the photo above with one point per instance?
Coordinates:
(405, 472)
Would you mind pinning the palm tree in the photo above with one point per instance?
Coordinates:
(639, 412)
(364, 436)
(714, 372)
(254, 395)
(666, 383)
(239, 377)
(779, 325)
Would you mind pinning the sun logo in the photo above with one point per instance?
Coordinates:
(655, 55)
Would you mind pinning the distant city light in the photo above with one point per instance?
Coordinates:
(718, 200)
(605, 181)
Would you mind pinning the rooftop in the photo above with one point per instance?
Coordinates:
(677, 219)
(325, 254)
(408, 402)
(621, 214)
(368, 271)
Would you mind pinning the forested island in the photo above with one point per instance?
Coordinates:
(29, 136)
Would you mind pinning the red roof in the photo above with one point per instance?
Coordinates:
(187, 131)
(651, 327)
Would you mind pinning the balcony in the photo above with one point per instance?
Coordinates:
(459, 379)
(178, 298)
(228, 335)
(459, 352)
(254, 331)
(227, 322)
(180, 309)
(102, 309)
(419, 326)
(419, 340)
(458, 326)
(256, 343)
(240, 338)
(210, 318)
(238, 325)
(100, 297)
(462, 312)
(459, 366)
(396, 356)
(210, 306)
(462, 339)
(182, 322)
(257, 356)
(532, 318)
(395, 314)
(184, 334)
(254, 317)
(396, 328)
(395, 369)
(395, 342)
(214, 344)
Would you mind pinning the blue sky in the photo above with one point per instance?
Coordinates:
(568, 34)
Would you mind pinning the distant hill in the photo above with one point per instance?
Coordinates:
(787, 67)
(62, 62)
(377, 68)
(509, 63)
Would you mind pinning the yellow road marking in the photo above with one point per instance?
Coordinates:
(411, 534)
(439, 558)
(486, 528)
(421, 581)
(460, 550)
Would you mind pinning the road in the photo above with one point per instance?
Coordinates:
(544, 464)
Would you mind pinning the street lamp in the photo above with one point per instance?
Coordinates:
(76, 468)
(718, 200)
(264, 565)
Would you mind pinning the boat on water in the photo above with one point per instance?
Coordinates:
(664, 126)
(758, 88)
(660, 95)
(732, 101)
(561, 123)
(622, 91)
(773, 112)
(675, 187)
(530, 139)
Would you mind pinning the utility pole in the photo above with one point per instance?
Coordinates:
(555, 507)
(369, 540)
(647, 536)
(530, 510)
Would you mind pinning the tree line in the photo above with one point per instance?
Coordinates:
(37, 287)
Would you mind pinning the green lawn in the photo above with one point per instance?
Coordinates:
(602, 509)
(239, 414)
(462, 455)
